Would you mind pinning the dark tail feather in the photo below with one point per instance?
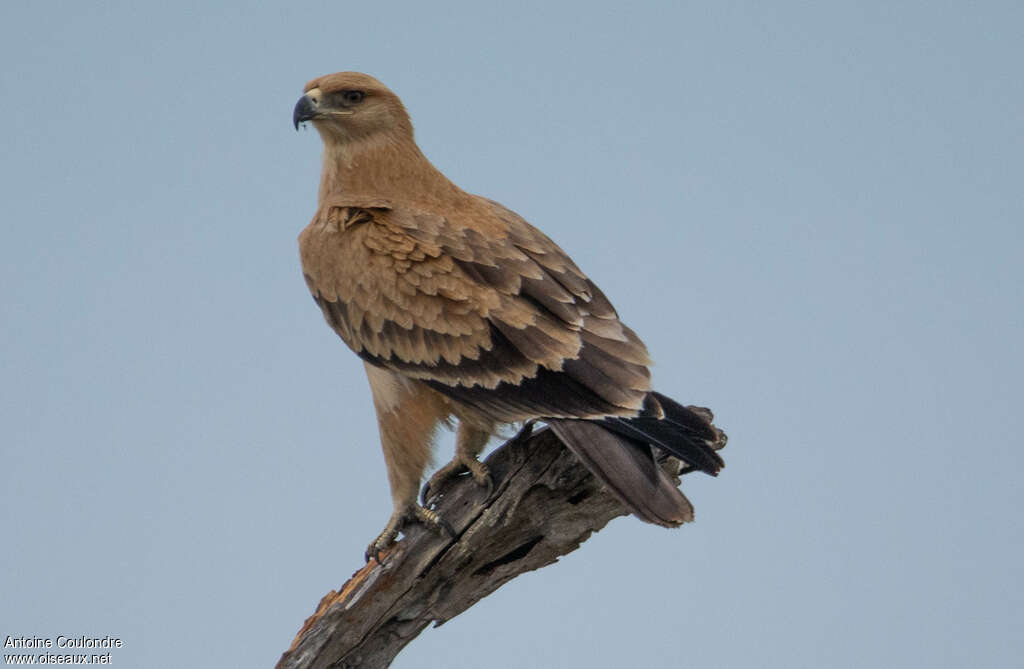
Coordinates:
(628, 468)
(685, 432)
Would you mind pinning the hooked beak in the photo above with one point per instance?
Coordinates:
(305, 110)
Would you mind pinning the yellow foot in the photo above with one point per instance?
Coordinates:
(459, 464)
(399, 519)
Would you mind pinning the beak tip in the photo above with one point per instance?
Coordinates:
(304, 111)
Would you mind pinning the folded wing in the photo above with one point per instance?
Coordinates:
(505, 324)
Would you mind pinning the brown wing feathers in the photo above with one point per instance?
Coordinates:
(514, 329)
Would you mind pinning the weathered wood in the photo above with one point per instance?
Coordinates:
(544, 505)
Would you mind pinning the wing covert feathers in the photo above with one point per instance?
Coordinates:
(493, 314)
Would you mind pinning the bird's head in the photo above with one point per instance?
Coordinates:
(349, 107)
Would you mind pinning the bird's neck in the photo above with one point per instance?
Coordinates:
(384, 168)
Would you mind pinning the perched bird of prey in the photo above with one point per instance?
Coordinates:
(460, 308)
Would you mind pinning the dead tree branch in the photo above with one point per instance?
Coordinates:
(545, 504)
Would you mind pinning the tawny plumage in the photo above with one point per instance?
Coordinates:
(459, 307)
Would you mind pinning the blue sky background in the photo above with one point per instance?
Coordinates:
(811, 212)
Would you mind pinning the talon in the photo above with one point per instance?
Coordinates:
(425, 493)
(372, 552)
(480, 473)
(482, 476)
(434, 521)
(399, 519)
(488, 486)
(374, 549)
(443, 477)
(387, 536)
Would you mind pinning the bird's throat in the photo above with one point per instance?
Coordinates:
(395, 170)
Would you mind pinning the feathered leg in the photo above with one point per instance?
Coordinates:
(408, 414)
(470, 440)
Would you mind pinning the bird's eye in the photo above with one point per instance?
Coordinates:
(352, 97)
